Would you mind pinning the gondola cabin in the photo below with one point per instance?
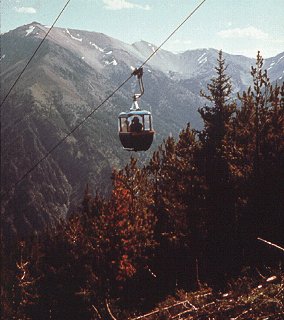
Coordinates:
(135, 127)
(136, 130)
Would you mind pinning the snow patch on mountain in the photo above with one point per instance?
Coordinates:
(113, 62)
(202, 59)
(30, 30)
(3, 56)
(74, 38)
(201, 56)
(152, 47)
(97, 47)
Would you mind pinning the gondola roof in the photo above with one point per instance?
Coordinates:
(132, 113)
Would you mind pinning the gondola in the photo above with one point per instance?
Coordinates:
(136, 126)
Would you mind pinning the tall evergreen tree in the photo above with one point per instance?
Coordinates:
(217, 115)
(170, 231)
(191, 194)
(179, 207)
(259, 129)
(213, 164)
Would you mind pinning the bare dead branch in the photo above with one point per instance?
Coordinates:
(163, 309)
(146, 315)
(179, 315)
(271, 244)
(207, 305)
(109, 311)
(97, 312)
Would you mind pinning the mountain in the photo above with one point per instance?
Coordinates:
(274, 68)
(69, 76)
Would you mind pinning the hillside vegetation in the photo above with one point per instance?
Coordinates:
(184, 225)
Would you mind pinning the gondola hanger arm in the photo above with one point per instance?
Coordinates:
(139, 74)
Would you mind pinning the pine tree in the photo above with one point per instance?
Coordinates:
(171, 228)
(192, 194)
(179, 206)
(165, 176)
(128, 224)
(259, 130)
(217, 115)
(120, 239)
(213, 164)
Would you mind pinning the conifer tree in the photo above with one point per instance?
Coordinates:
(165, 175)
(126, 228)
(120, 236)
(177, 193)
(217, 115)
(171, 229)
(259, 129)
(213, 164)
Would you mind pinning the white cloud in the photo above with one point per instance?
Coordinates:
(249, 32)
(123, 4)
(29, 10)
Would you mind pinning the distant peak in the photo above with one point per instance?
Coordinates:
(34, 23)
(141, 42)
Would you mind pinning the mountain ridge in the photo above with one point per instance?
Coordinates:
(72, 73)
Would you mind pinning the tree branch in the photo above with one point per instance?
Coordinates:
(109, 311)
(271, 244)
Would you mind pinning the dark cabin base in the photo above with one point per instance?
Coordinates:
(136, 141)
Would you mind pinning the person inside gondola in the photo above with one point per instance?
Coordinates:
(135, 126)
(124, 127)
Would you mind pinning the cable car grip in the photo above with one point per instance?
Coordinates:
(139, 73)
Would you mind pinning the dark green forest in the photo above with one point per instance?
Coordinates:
(189, 220)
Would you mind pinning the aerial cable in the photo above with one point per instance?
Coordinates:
(29, 61)
(106, 99)
(175, 30)
(70, 132)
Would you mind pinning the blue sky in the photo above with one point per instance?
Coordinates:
(235, 26)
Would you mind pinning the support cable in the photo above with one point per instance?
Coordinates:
(70, 132)
(175, 30)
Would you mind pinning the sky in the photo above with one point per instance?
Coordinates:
(235, 26)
